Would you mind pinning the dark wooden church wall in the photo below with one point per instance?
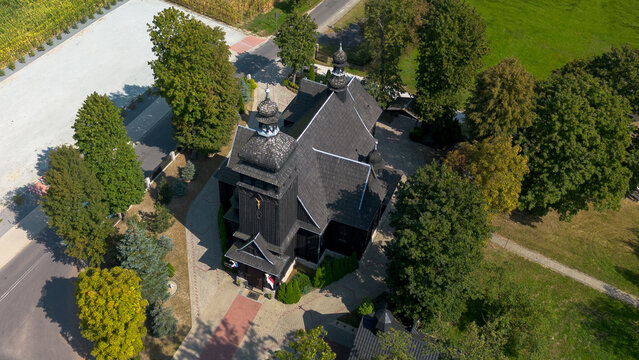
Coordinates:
(250, 222)
(287, 212)
(226, 192)
(307, 246)
(345, 239)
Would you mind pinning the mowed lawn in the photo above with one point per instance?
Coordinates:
(603, 245)
(545, 34)
(581, 323)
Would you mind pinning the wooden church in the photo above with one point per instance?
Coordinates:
(307, 181)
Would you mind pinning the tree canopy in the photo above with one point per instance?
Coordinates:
(75, 206)
(452, 44)
(619, 67)
(577, 147)
(441, 226)
(496, 167)
(296, 40)
(395, 344)
(193, 73)
(101, 136)
(502, 101)
(386, 33)
(143, 254)
(111, 312)
(308, 345)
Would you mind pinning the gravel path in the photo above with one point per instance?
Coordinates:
(564, 270)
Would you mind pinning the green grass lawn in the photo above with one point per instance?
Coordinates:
(582, 323)
(603, 245)
(354, 15)
(265, 24)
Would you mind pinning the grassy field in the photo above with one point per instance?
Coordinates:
(354, 15)
(264, 24)
(604, 245)
(26, 24)
(545, 34)
(582, 323)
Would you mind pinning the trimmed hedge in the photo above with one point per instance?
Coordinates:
(304, 283)
(289, 293)
(328, 273)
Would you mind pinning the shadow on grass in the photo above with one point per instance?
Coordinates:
(614, 324)
(525, 218)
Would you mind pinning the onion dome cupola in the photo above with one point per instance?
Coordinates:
(338, 80)
(267, 116)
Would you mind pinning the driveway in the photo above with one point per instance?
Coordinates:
(38, 104)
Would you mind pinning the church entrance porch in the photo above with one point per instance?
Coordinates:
(255, 278)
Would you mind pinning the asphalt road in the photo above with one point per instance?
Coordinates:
(37, 306)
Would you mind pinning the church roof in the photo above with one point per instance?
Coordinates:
(253, 251)
(332, 140)
(268, 153)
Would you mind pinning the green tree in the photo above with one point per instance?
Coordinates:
(101, 136)
(476, 343)
(619, 67)
(441, 226)
(577, 147)
(188, 171)
(452, 44)
(502, 101)
(496, 167)
(296, 40)
(632, 161)
(75, 206)
(161, 221)
(289, 293)
(143, 254)
(193, 73)
(308, 346)
(365, 307)
(163, 322)
(386, 32)
(395, 344)
(111, 312)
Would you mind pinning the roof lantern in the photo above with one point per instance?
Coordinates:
(338, 80)
(267, 114)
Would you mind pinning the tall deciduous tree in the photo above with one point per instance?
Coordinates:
(111, 312)
(143, 254)
(496, 167)
(193, 73)
(395, 344)
(308, 345)
(619, 67)
(75, 205)
(577, 147)
(296, 40)
(101, 136)
(503, 100)
(452, 43)
(441, 226)
(387, 32)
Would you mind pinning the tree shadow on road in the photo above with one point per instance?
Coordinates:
(261, 68)
(59, 305)
(127, 94)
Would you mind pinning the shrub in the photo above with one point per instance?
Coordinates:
(66, 30)
(179, 188)
(21, 60)
(165, 243)
(1, 72)
(83, 20)
(107, 6)
(91, 16)
(113, 2)
(12, 66)
(311, 73)
(304, 283)
(41, 48)
(31, 53)
(366, 307)
(416, 134)
(245, 90)
(165, 193)
(163, 322)
(170, 269)
(252, 84)
(161, 221)
(50, 42)
(241, 108)
(100, 12)
(289, 293)
(74, 26)
(328, 273)
(319, 280)
(188, 171)
(59, 36)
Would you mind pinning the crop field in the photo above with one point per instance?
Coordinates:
(26, 24)
(545, 34)
(231, 12)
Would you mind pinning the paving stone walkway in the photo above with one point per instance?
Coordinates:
(564, 270)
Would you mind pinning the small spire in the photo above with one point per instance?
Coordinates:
(268, 91)
(340, 45)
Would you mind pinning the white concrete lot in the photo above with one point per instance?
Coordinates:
(38, 103)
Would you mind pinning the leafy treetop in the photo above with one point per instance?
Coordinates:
(296, 40)
(308, 345)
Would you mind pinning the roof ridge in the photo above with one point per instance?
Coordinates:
(314, 116)
(341, 157)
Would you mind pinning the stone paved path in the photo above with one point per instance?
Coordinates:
(564, 270)
(229, 334)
